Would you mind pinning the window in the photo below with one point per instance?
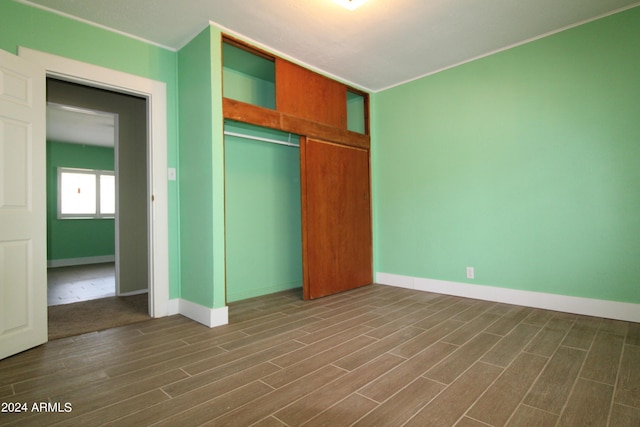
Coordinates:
(86, 193)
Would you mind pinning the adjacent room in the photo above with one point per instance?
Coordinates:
(368, 213)
(96, 257)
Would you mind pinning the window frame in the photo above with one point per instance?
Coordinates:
(97, 173)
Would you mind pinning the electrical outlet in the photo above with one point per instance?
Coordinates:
(470, 273)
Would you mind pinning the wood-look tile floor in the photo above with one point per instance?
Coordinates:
(375, 356)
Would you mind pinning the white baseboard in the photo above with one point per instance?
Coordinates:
(67, 262)
(139, 292)
(577, 305)
(173, 307)
(210, 317)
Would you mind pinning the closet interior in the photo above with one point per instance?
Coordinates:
(297, 181)
(262, 210)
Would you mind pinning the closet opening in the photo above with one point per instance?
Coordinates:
(262, 210)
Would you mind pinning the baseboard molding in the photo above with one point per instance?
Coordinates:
(569, 304)
(67, 262)
(139, 292)
(210, 317)
(173, 307)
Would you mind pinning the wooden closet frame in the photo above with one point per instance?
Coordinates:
(290, 115)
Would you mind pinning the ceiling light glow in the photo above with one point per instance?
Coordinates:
(350, 4)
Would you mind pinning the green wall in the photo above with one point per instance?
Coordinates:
(76, 238)
(263, 217)
(202, 170)
(22, 25)
(524, 164)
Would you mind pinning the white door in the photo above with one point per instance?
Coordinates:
(23, 275)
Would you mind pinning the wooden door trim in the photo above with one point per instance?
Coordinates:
(260, 116)
(306, 294)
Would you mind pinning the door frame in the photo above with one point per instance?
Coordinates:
(157, 189)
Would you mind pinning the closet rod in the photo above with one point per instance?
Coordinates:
(258, 138)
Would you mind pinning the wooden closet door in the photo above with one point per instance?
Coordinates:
(336, 218)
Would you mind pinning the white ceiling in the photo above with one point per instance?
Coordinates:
(379, 45)
(80, 126)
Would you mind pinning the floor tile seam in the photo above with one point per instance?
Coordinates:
(217, 366)
(476, 360)
(398, 311)
(84, 414)
(24, 363)
(121, 387)
(212, 382)
(371, 328)
(421, 408)
(101, 378)
(480, 313)
(134, 412)
(324, 317)
(361, 416)
(417, 410)
(253, 340)
(476, 420)
(321, 351)
(534, 382)
(477, 399)
(184, 372)
(614, 391)
(482, 331)
(260, 380)
(312, 319)
(597, 381)
(617, 381)
(15, 383)
(169, 329)
(538, 354)
(306, 374)
(532, 407)
(327, 351)
(11, 389)
(160, 363)
(208, 401)
(342, 311)
(338, 333)
(387, 324)
(629, 336)
(122, 358)
(573, 387)
(576, 348)
(292, 401)
(251, 323)
(637, 346)
(186, 354)
(397, 391)
(279, 419)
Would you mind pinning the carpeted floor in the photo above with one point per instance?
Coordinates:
(96, 315)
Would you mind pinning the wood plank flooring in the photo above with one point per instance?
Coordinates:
(374, 356)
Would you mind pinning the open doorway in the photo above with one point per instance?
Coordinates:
(29, 324)
(97, 222)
